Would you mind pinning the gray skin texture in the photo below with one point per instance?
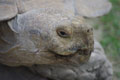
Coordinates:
(38, 41)
(32, 48)
(97, 68)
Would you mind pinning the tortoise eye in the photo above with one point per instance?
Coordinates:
(63, 33)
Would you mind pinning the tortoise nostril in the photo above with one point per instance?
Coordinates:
(88, 30)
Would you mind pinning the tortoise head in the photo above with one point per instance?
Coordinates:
(53, 36)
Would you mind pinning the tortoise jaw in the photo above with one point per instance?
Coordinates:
(60, 55)
(83, 52)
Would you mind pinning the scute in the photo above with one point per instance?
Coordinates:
(92, 8)
(87, 8)
(18, 47)
(8, 9)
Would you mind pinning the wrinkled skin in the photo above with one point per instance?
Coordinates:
(97, 68)
(50, 40)
(39, 39)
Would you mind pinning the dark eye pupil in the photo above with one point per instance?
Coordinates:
(63, 33)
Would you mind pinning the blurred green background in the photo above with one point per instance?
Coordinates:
(109, 26)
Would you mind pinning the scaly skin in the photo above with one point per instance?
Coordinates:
(38, 41)
(52, 39)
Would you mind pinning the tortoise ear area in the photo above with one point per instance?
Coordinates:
(8, 9)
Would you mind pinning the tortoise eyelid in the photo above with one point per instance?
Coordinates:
(63, 33)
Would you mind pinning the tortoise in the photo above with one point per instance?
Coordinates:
(48, 36)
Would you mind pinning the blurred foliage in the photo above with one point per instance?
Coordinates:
(111, 36)
(111, 28)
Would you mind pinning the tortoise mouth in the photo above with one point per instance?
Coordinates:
(84, 52)
(62, 56)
